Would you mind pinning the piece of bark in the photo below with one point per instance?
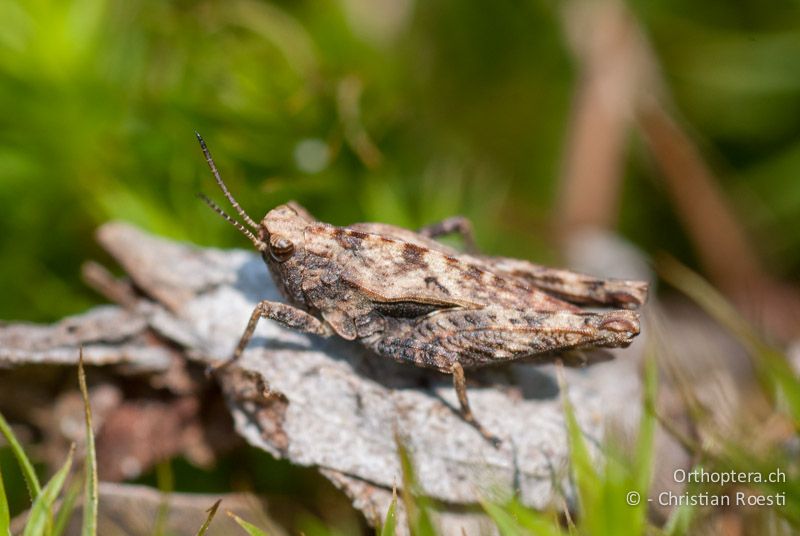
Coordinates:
(145, 391)
(374, 502)
(109, 335)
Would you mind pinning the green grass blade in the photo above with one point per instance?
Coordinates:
(504, 520)
(645, 448)
(165, 480)
(40, 519)
(67, 508)
(211, 513)
(680, 521)
(90, 496)
(390, 523)
(311, 525)
(417, 507)
(533, 521)
(513, 519)
(251, 529)
(642, 467)
(31, 480)
(5, 516)
(587, 481)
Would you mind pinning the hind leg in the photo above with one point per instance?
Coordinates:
(425, 355)
(452, 225)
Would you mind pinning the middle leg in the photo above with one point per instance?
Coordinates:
(425, 355)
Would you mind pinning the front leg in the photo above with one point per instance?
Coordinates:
(455, 224)
(286, 315)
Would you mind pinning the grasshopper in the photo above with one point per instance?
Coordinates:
(410, 298)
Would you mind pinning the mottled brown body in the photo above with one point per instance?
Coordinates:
(410, 298)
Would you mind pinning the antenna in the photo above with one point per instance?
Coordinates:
(261, 246)
(239, 210)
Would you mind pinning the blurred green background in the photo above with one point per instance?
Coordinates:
(394, 111)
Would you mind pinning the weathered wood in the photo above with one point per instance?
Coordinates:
(110, 336)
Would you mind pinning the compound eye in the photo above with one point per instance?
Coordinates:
(280, 248)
